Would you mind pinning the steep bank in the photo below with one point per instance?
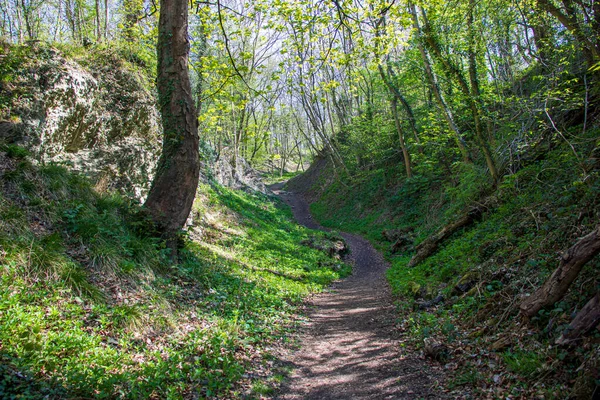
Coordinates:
(465, 295)
(90, 305)
(94, 112)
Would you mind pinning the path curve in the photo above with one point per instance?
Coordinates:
(350, 348)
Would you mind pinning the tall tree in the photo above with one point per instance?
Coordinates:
(453, 70)
(174, 187)
(435, 87)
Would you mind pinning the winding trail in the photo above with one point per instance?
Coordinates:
(350, 349)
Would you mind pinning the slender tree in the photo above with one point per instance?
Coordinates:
(435, 87)
(454, 71)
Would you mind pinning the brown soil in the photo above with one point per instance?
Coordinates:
(350, 348)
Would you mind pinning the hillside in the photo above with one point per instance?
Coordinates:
(466, 295)
(91, 306)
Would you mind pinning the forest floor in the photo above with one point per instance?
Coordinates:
(350, 348)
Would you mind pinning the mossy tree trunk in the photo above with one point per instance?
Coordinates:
(174, 186)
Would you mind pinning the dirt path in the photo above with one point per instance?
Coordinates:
(349, 350)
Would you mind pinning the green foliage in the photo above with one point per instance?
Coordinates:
(539, 210)
(91, 307)
(270, 178)
(466, 376)
(525, 363)
(12, 60)
(14, 151)
(473, 184)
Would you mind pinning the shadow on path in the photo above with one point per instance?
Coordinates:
(348, 350)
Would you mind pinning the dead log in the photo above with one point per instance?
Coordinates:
(586, 320)
(571, 263)
(432, 243)
(401, 244)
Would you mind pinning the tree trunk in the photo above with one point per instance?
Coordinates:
(407, 163)
(106, 20)
(476, 102)
(396, 95)
(133, 10)
(454, 71)
(300, 155)
(70, 14)
(98, 34)
(542, 39)
(174, 186)
(589, 44)
(20, 30)
(435, 87)
(409, 112)
(585, 321)
(571, 263)
(27, 10)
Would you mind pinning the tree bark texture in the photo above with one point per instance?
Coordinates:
(174, 186)
(571, 263)
(584, 321)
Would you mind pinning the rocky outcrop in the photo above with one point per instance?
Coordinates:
(241, 176)
(97, 115)
(100, 118)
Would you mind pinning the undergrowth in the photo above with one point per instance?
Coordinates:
(91, 307)
(538, 211)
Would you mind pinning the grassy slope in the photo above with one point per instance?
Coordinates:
(540, 211)
(90, 307)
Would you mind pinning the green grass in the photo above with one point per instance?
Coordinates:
(525, 363)
(91, 307)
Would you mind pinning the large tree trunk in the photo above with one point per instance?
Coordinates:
(174, 186)
(570, 265)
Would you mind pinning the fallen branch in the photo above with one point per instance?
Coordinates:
(431, 244)
(570, 265)
(586, 320)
